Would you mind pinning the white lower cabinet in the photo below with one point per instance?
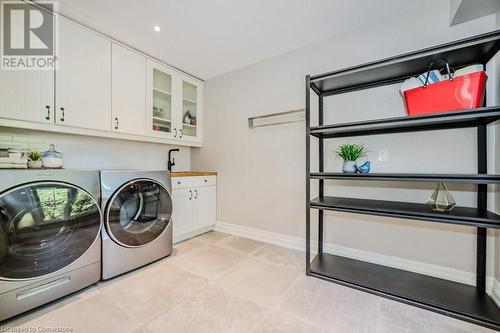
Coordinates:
(182, 216)
(205, 210)
(195, 205)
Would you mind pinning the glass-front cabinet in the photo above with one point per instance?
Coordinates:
(174, 104)
(159, 100)
(191, 110)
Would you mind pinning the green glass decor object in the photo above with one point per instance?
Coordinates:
(441, 200)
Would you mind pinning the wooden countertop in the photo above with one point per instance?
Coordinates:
(193, 173)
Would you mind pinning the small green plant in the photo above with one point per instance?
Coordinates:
(351, 152)
(34, 155)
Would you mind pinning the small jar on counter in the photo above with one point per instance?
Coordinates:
(52, 159)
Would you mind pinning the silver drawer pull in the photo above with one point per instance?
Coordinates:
(42, 288)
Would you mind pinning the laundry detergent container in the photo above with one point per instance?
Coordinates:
(462, 92)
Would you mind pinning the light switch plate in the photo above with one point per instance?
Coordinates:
(383, 155)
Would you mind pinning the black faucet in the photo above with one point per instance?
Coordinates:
(171, 163)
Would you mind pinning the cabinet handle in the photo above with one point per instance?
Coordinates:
(175, 132)
(191, 195)
(180, 134)
(48, 112)
(196, 194)
(62, 114)
(116, 120)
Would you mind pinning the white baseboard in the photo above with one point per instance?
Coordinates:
(297, 243)
(287, 241)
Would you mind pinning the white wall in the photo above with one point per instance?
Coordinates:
(83, 152)
(261, 181)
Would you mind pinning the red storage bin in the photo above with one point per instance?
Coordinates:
(463, 92)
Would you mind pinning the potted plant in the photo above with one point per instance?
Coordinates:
(350, 153)
(35, 160)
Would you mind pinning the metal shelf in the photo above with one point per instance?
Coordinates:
(407, 210)
(411, 177)
(443, 296)
(479, 49)
(447, 120)
(450, 298)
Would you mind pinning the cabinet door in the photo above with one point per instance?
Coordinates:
(205, 207)
(160, 106)
(192, 110)
(182, 213)
(83, 79)
(27, 95)
(128, 91)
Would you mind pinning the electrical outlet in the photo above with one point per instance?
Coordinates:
(383, 155)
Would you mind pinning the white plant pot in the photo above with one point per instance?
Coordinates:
(35, 164)
(349, 167)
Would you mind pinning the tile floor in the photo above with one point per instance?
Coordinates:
(221, 283)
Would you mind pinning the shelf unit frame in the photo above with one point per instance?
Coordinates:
(479, 49)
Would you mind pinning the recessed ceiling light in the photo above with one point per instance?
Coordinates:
(157, 28)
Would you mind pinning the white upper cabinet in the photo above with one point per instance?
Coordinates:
(174, 107)
(192, 110)
(161, 108)
(27, 95)
(102, 88)
(83, 78)
(128, 91)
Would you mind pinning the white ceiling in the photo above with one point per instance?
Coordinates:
(208, 38)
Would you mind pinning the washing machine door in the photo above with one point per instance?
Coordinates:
(138, 213)
(45, 227)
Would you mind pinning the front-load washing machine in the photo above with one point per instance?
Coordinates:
(50, 244)
(137, 208)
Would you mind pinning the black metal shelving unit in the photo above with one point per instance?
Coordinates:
(470, 303)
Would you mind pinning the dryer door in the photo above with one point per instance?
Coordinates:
(138, 213)
(44, 227)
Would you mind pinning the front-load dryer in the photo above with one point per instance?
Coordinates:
(50, 244)
(137, 209)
